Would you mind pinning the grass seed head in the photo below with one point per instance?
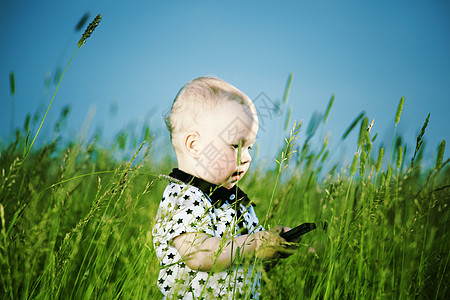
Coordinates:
(383, 179)
(363, 132)
(362, 163)
(419, 140)
(422, 131)
(325, 156)
(328, 109)
(370, 126)
(368, 147)
(379, 159)
(399, 110)
(374, 137)
(388, 175)
(399, 156)
(440, 155)
(354, 164)
(89, 30)
(12, 83)
(288, 88)
(352, 125)
(26, 124)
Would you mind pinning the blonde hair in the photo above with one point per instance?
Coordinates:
(201, 96)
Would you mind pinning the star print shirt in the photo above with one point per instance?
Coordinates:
(190, 204)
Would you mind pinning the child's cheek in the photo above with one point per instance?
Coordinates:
(233, 159)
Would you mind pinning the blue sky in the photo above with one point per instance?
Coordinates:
(367, 53)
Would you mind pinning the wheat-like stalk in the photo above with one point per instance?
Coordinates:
(419, 140)
(379, 160)
(89, 30)
(85, 35)
(440, 155)
(283, 162)
(399, 110)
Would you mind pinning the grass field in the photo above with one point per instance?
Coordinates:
(76, 221)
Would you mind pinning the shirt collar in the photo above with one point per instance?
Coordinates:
(216, 193)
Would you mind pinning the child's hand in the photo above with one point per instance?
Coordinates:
(291, 245)
(270, 245)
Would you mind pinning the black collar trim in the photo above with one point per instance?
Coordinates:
(216, 193)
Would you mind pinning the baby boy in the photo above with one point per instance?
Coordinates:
(207, 236)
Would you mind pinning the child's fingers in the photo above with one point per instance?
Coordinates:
(287, 249)
(268, 244)
(284, 229)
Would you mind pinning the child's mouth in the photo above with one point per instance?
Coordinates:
(237, 175)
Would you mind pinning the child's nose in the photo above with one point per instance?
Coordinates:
(246, 157)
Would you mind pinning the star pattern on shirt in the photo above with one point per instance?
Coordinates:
(187, 209)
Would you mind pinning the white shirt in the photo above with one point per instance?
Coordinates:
(202, 207)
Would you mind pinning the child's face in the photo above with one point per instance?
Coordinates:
(219, 139)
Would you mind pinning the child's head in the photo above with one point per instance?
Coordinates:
(207, 120)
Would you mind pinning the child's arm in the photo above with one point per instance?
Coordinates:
(202, 251)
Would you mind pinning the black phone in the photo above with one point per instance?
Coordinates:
(298, 231)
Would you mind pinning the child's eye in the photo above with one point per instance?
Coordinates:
(236, 146)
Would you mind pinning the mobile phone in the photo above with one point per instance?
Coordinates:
(298, 231)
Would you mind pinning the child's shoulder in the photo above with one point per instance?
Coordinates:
(181, 191)
(179, 198)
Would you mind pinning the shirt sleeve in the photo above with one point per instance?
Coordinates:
(183, 209)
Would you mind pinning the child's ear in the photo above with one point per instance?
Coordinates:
(191, 144)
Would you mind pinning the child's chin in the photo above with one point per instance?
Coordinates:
(229, 185)
(232, 181)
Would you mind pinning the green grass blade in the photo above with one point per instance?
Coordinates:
(288, 88)
(353, 124)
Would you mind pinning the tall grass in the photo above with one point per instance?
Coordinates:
(76, 221)
(387, 230)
